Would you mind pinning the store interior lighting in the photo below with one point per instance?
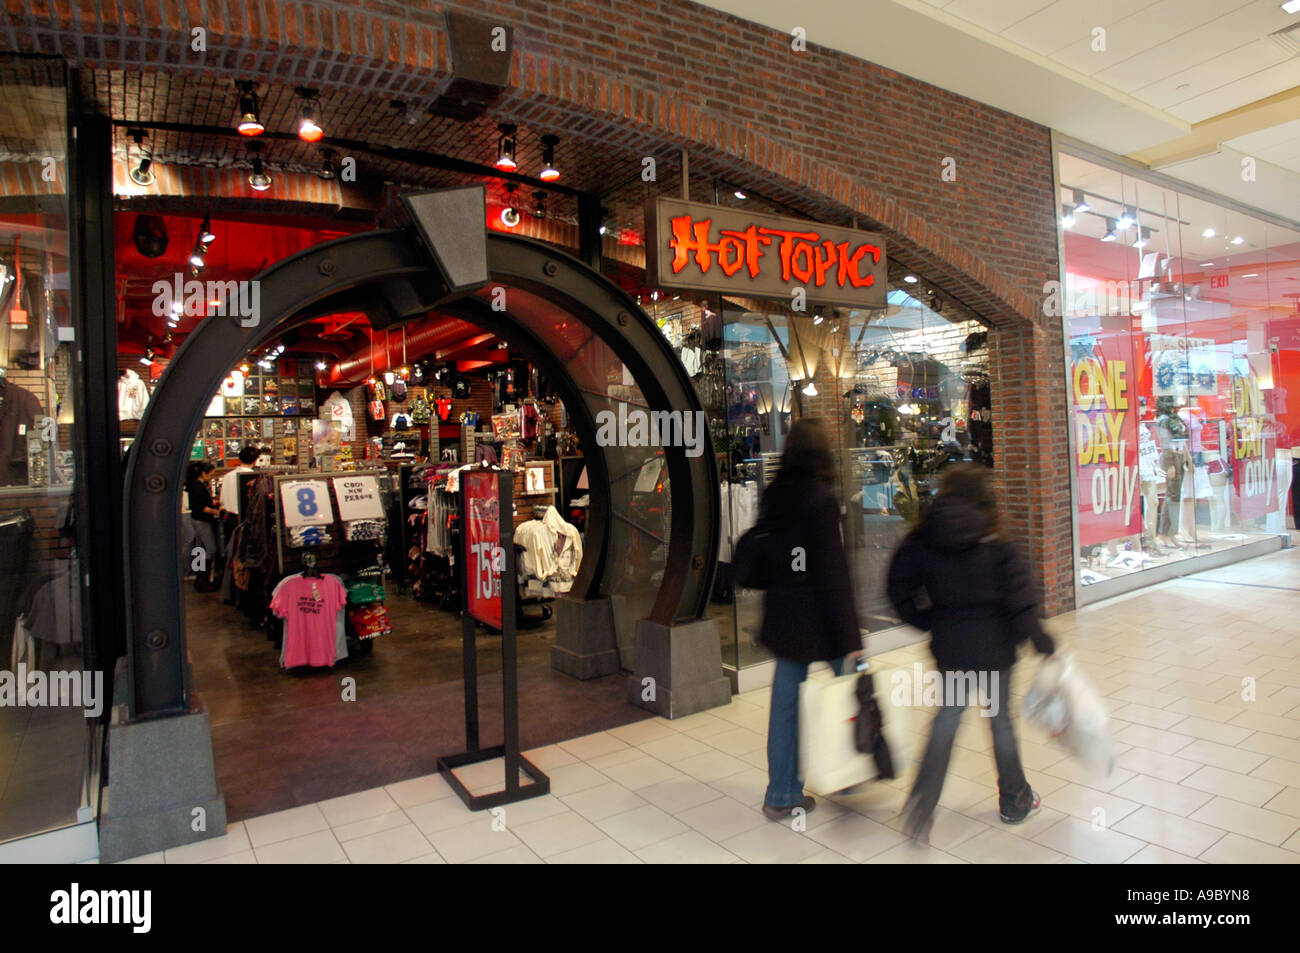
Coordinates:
(1081, 203)
(1067, 217)
(911, 279)
(258, 178)
(1127, 219)
(327, 169)
(549, 172)
(1110, 235)
(505, 160)
(206, 235)
(142, 173)
(1141, 241)
(1238, 240)
(540, 210)
(740, 195)
(309, 126)
(250, 122)
(510, 214)
(1208, 233)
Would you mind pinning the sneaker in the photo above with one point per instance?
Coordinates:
(775, 813)
(1035, 804)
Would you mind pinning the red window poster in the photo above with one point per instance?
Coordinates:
(1254, 470)
(1106, 437)
(484, 557)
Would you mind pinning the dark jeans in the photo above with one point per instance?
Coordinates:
(785, 787)
(1015, 795)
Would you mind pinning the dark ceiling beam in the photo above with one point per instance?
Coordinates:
(427, 160)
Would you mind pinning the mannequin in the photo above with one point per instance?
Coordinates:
(1151, 475)
(1174, 459)
(1196, 484)
(1214, 439)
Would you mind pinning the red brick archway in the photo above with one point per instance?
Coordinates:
(821, 130)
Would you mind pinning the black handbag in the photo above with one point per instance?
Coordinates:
(868, 736)
(752, 561)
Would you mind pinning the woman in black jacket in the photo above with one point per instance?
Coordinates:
(955, 576)
(808, 612)
(205, 512)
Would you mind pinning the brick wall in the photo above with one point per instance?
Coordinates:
(823, 131)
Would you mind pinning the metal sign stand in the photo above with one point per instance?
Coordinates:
(509, 750)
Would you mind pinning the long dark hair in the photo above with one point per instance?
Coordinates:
(197, 471)
(808, 454)
(972, 483)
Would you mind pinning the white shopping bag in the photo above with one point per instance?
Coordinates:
(828, 759)
(1064, 703)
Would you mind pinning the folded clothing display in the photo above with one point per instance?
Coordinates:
(364, 593)
(365, 529)
(370, 621)
(305, 536)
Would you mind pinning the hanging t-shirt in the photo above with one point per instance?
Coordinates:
(460, 388)
(340, 626)
(338, 409)
(443, 406)
(132, 396)
(309, 606)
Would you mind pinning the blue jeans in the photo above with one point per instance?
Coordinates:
(785, 787)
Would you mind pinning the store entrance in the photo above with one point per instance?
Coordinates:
(283, 738)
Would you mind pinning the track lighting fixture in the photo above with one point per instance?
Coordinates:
(1127, 219)
(549, 172)
(320, 365)
(603, 229)
(506, 148)
(818, 319)
(196, 256)
(206, 235)
(1081, 203)
(250, 123)
(911, 279)
(510, 214)
(1110, 235)
(740, 195)
(327, 169)
(1144, 233)
(810, 389)
(1208, 233)
(1238, 240)
(258, 178)
(1067, 216)
(309, 127)
(540, 199)
(142, 174)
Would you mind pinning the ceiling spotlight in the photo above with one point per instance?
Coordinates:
(739, 194)
(1110, 235)
(327, 171)
(320, 365)
(250, 124)
(910, 279)
(1081, 203)
(1126, 219)
(818, 319)
(1141, 240)
(1238, 240)
(1067, 217)
(603, 229)
(1208, 233)
(196, 256)
(810, 390)
(309, 127)
(510, 214)
(258, 178)
(206, 235)
(142, 175)
(549, 172)
(1291, 6)
(506, 148)
(540, 199)
(178, 306)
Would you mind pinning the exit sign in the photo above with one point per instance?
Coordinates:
(1218, 281)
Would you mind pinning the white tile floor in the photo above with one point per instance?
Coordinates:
(1201, 676)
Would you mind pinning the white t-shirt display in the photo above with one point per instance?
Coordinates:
(338, 409)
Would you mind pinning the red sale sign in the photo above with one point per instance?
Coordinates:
(484, 557)
(1254, 470)
(1106, 438)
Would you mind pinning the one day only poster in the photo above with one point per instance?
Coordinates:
(1106, 438)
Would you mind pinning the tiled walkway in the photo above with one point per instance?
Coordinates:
(1206, 772)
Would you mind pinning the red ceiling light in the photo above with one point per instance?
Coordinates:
(250, 124)
(549, 172)
(309, 127)
(506, 148)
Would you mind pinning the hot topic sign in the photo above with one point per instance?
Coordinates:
(710, 248)
(1105, 429)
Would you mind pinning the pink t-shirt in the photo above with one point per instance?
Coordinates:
(309, 606)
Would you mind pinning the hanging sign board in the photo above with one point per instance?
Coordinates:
(358, 498)
(484, 557)
(733, 251)
(306, 503)
(1106, 437)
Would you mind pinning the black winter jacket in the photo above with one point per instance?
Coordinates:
(808, 614)
(973, 593)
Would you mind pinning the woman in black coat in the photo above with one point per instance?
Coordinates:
(808, 612)
(955, 576)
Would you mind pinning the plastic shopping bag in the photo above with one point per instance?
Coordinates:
(1064, 703)
(829, 760)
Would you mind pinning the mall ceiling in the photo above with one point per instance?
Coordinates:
(1189, 87)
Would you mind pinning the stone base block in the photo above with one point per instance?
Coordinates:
(678, 669)
(585, 640)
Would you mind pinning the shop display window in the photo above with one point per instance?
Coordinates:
(1183, 351)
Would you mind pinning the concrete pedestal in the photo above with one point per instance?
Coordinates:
(585, 640)
(162, 785)
(678, 669)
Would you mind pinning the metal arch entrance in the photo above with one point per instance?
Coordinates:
(395, 275)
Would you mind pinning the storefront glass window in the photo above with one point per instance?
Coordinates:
(44, 731)
(1178, 371)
